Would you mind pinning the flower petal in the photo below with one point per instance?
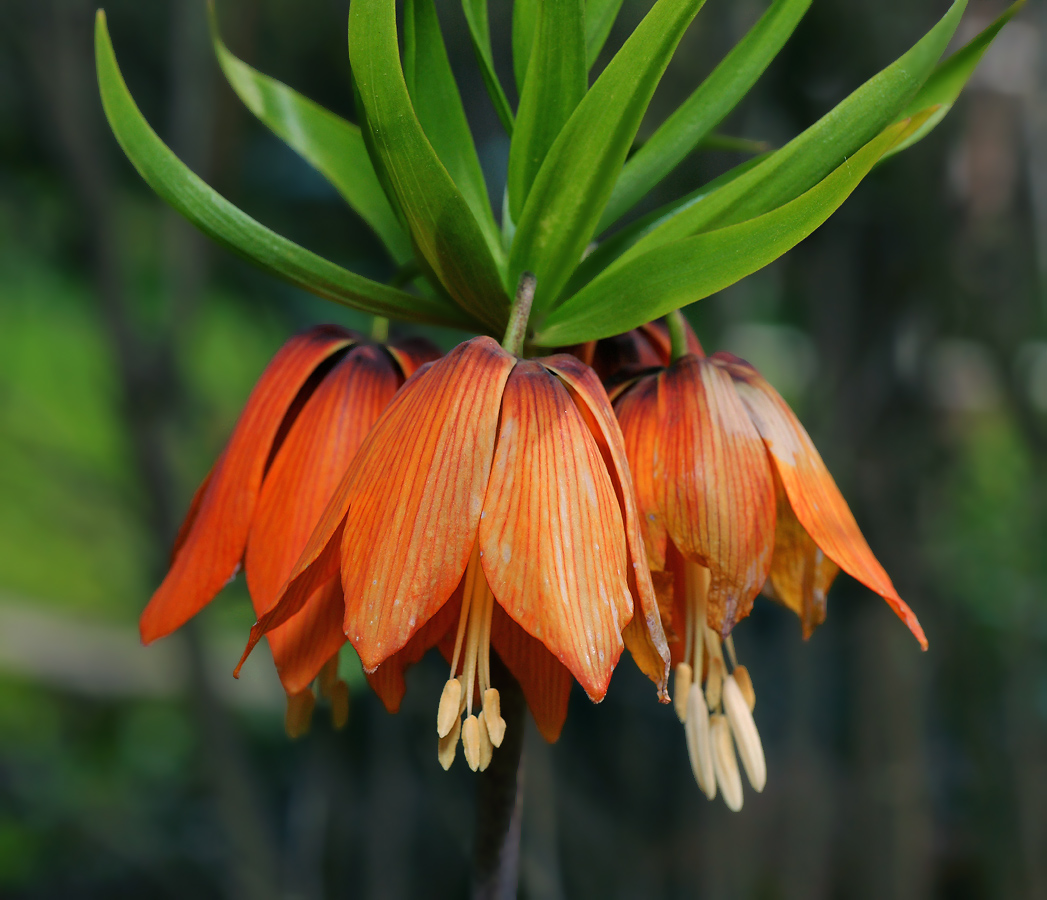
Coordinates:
(643, 635)
(551, 535)
(309, 639)
(387, 681)
(545, 682)
(812, 493)
(640, 421)
(417, 493)
(413, 353)
(657, 334)
(214, 544)
(719, 500)
(310, 464)
(801, 574)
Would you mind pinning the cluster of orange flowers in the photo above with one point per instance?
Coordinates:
(558, 510)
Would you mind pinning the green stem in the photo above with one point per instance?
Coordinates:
(677, 334)
(380, 330)
(519, 312)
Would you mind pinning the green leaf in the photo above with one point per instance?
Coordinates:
(438, 106)
(525, 14)
(599, 19)
(444, 229)
(555, 83)
(681, 133)
(810, 156)
(220, 220)
(331, 145)
(571, 189)
(480, 31)
(673, 275)
(607, 251)
(949, 77)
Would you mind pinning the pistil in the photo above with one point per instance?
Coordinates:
(481, 733)
(715, 705)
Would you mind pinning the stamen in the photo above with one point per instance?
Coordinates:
(699, 747)
(450, 707)
(449, 744)
(714, 683)
(479, 734)
(745, 684)
(682, 690)
(745, 734)
(336, 691)
(493, 716)
(728, 642)
(486, 745)
(725, 763)
(299, 715)
(471, 741)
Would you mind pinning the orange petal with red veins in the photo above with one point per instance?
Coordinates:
(643, 635)
(624, 354)
(812, 493)
(640, 421)
(801, 574)
(387, 681)
(305, 642)
(546, 684)
(310, 464)
(719, 497)
(417, 492)
(212, 549)
(413, 353)
(551, 535)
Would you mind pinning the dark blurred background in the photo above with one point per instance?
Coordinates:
(909, 334)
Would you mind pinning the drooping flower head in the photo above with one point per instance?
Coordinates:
(490, 506)
(734, 499)
(303, 422)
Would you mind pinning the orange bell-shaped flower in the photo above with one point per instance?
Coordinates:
(490, 505)
(734, 499)
(299, 430)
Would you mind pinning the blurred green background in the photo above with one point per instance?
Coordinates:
(909, 334)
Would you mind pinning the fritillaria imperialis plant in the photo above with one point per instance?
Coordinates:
(488, 500)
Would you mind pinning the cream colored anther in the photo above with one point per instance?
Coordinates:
(682, 690)
(450, 707)
(725, 763)
(699, 746)
(492, 713)
(471, 742)
(745, 734)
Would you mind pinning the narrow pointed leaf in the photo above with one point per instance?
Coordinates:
(219, 219)
(578, 175)
(438, 105)
(525, 14)
(480, 31)
(949, 78)
(607, 251)
(689, 269)
(556, 82)
(443, 226)
(812, 155)
(331, 145)
(729, 82)
(599, 20)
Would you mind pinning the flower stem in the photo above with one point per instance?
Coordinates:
(380, 329)
(519, 312)
(499, 799)
(677, 334)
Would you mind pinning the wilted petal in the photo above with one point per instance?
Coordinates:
(644, 636)
(801, 574)
(213, 546)
(719, 501)
(812, 493)
(551, 535)
(417, 492)
(545, 682)
(640, 421)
